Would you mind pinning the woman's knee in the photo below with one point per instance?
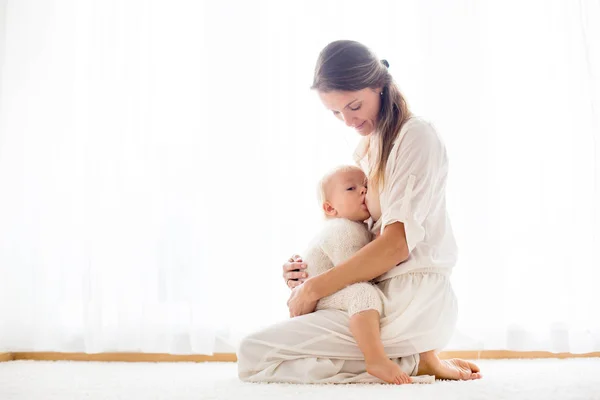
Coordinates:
(249, 352)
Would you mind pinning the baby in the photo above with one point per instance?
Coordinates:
(342, 196)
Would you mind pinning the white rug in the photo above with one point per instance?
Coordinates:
(503, 379)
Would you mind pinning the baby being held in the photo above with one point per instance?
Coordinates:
(342, 197)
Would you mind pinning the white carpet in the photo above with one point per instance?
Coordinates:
(503, 379)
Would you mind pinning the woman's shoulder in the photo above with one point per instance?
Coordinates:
(417, 121)
(418, 132)
(417, 126)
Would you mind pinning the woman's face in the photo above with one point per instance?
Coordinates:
(359, 110)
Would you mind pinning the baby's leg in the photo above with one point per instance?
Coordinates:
(363, 303)
(364, 326)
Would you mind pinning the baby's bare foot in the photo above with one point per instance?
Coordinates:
(388, 371)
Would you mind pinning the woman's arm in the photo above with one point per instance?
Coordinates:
(373, 260)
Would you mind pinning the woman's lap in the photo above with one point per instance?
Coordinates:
(313, 348)
(419, 315)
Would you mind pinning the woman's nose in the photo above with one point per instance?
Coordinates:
(348, 120)
(363, 190)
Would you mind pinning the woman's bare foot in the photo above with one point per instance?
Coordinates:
(388, 371)
(455, 369)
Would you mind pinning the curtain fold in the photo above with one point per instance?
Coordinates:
(158, 163)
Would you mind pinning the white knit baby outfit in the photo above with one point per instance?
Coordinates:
(339, 239)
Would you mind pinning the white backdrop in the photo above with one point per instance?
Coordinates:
(158, 163)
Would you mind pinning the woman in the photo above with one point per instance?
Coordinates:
(410, 260)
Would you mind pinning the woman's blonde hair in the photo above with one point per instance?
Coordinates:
(347, 65)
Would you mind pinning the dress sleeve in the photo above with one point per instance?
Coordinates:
(413, 180)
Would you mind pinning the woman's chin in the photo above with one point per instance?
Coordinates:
(366, 131)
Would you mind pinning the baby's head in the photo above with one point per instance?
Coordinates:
(342, 194)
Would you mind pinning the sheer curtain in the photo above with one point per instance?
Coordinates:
(158, 162)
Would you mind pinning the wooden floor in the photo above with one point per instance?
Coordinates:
(231, 357)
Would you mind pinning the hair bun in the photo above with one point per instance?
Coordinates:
(386, 63)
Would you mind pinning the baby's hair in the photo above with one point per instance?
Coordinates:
(325, 180)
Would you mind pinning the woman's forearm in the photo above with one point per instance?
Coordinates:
(373, 260)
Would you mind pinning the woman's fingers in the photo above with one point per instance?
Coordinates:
(292, 284)
(295, 275)
(294, 271)
(291, 266)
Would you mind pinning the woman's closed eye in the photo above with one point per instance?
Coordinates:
(355, 108)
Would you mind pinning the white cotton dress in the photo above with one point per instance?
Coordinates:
(419, 305)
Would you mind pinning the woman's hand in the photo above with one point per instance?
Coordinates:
(294, 271)
(302, 300)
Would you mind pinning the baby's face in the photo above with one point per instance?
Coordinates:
(346, 193)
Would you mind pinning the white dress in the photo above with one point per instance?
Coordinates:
(419, 305)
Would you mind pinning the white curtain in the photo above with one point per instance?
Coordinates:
(158, 163)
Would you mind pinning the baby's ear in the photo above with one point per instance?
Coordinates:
(329, 210)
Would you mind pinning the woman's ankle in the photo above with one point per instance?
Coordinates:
(429, 356)
(428, 363)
